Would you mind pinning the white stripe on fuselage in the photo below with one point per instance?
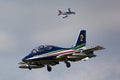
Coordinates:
(52, 54)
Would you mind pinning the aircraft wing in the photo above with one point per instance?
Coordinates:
(34, 65)
(65, 16)
(93, 49)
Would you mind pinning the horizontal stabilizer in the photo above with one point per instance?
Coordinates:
(93, 49)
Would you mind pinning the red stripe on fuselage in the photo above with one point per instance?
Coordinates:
(63, 52)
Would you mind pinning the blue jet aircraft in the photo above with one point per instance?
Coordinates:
(65, 14)
(49, 55)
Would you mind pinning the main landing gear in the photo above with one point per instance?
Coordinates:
(68, 65)
(49, 68)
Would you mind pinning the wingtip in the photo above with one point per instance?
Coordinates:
(101, 47)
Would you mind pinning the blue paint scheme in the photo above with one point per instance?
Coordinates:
(45, 58)
(81, 38)
(53, 48)
(49, 55)
(44, 49)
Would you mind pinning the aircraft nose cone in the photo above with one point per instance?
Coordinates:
(24, 59)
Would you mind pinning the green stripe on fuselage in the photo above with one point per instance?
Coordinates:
(78, 47)
(74, 48)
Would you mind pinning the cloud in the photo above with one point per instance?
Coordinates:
(7, 41)
(26, 24)
(33, 75)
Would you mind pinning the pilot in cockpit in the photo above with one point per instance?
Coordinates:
(41, 48)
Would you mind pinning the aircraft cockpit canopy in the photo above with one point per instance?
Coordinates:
(41, 48)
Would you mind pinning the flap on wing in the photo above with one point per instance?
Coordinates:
(93, 49)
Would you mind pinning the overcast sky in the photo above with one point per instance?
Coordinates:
(26, 24)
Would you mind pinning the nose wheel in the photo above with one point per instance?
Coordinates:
(49, 68)
(29, 67)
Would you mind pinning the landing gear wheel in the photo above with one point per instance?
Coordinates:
(49, 68)
(29, 67)
(68, 65)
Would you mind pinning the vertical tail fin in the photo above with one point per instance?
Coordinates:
(69, 10)
(81, 41)
(60, 12)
